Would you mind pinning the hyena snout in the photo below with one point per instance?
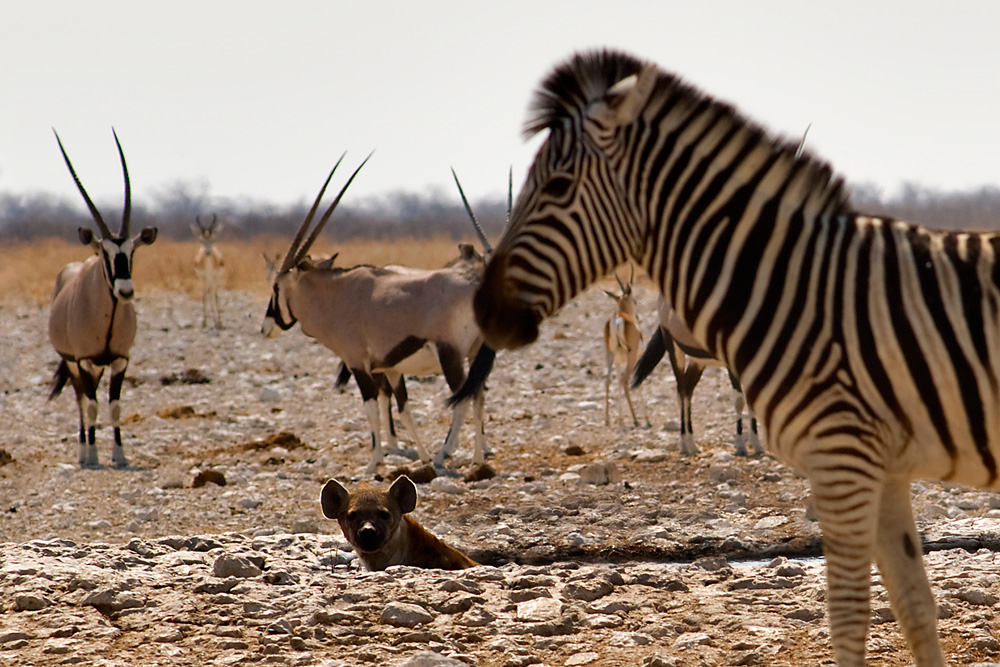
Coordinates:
(370, 537)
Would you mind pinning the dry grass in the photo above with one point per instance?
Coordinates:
(28, 270)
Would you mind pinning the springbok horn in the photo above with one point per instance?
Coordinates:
(802, 142)
(290, 258)
(197, 221)
(329, 211)
(127, 213)
(211, 227)
(105, 232)
(472, 216)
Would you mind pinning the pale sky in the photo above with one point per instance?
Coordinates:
(258, 99)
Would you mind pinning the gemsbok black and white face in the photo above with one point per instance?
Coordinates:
(115, 250)
(279, 315)
(116, 257)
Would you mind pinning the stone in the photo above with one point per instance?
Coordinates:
(403, 615)
(430, 659)
(233, 565)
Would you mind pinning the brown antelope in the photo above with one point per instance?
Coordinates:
(271, 266)
(383, 322)
(208, 266)
(622, 340)
(689, 360)
(92, 321)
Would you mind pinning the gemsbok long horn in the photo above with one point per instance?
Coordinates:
(296, 251)
(472, 216)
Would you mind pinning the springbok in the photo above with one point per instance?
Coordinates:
(271, 266)
(92, 321)
(383, 322)
(689, 360)
(208, 265)
(622, 340)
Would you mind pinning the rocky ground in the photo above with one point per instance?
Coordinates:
(601, 545)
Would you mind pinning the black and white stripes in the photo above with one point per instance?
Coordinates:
(869, 348)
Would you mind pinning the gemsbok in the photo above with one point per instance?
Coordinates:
(689, 360)
(622, 340)
(208, 266)
(92, 320)
(383, 322)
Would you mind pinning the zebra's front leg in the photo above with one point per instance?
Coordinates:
(118, 367)
(847, 504)
(900, 562)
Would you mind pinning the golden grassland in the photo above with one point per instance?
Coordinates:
(28, 270)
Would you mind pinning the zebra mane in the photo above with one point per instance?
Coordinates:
(572, 87)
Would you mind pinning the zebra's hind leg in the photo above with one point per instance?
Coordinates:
(900, 562)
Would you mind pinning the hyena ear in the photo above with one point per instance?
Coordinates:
(333, 499)
(404, 493)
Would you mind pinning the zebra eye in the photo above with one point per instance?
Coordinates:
(558, 187)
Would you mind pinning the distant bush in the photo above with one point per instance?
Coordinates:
(397, 215)
(430, 215)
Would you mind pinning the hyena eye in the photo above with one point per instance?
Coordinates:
(351, 516)
(384, 515)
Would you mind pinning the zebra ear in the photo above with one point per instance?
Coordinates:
(624, 101)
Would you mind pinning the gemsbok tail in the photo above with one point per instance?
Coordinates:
(650, 357)
(59, 379)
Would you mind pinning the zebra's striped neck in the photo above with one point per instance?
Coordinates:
(719, 194)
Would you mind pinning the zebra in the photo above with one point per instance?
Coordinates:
(868, 347)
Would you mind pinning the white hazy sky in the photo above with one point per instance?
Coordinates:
(257, 99)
